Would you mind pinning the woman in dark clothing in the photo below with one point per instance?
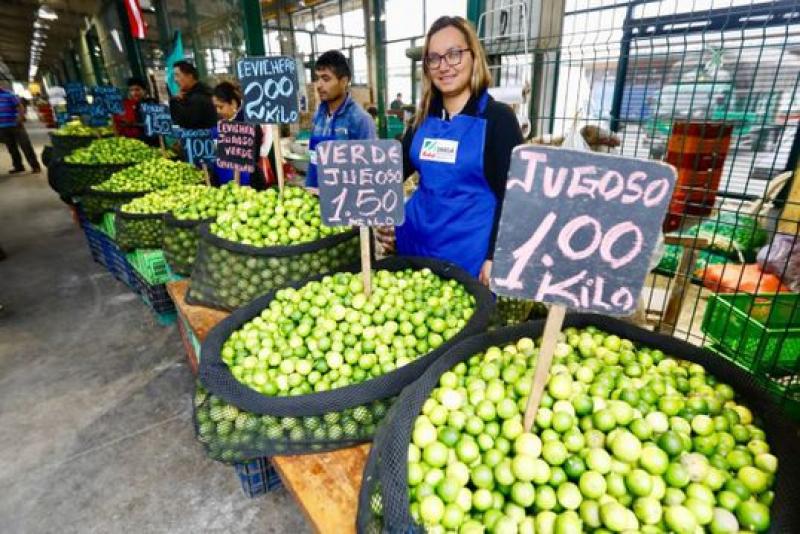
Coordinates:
(227, 100)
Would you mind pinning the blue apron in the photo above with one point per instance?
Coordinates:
(313, 141)
(450, 216)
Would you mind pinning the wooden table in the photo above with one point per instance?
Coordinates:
(325, 485)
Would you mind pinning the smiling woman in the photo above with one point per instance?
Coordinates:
(461, 146)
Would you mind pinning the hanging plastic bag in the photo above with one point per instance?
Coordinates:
(782, 258)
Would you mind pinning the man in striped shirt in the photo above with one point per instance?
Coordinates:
(12, 130)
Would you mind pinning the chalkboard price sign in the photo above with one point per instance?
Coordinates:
(107, 98)
(236, 146)
(361, 182)
(578, 228)
(157, 119)
(198, 145)
(270, 89)
(76, 98)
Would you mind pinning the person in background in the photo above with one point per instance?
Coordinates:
(129, 122)
(397, 103)
(192, 108)
(460, 144)
(373, 112)
(338, 116)
(12, 130)
(227, 100)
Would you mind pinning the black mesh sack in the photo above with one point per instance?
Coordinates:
(138, 230)
(96, 203)
(384, 496)
(64, 144)
(227, 275)
(319, 421)
(181, 240)
(70, 179)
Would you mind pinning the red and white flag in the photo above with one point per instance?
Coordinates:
(135, 18)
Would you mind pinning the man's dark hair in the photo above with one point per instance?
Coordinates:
(399, 95)
(228, 92)
(335, 62)
(138, 82)
(186, 68)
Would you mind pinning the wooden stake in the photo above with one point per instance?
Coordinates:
(552, 327)
(276, 142)
(163, 146)
(237, 177)
(366, 265)
(205, 172)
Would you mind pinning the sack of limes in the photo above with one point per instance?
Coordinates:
(636, 432)
(315, 366)
(264, 243)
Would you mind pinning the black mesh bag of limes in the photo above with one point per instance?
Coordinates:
(140, 222)
(636, 432)
(314, 366)
(264, 243)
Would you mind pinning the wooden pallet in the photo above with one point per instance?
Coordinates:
(325, 485)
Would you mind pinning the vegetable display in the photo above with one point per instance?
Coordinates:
(181, 237)
(626, 439)
(262, 244)
(76, 128)
(113, 150)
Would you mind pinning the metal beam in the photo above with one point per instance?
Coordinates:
(253, 28)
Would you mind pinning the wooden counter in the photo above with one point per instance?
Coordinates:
(325, 485)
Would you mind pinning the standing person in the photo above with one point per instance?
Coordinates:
(192, 108)
(460, 144)
(12, 130)
(338, 116)
(129, 123)
(397, 103)
(228, 103)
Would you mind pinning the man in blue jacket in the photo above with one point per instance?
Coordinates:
(338, 116)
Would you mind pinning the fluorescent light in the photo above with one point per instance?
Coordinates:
(46, 13)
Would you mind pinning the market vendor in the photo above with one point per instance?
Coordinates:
(227, 99)
(460, 144)
(129, 123)
(338, 116)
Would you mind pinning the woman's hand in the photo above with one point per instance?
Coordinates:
(486, 273)
(386, 238)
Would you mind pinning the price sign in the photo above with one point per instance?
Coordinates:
(198, 145)
(108, 98)
(270, 89)
(76, 98)
(361, 182)
(157, 119)
(98, 115)
(578, 228)
(236, 146)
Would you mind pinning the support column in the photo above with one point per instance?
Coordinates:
(199, 60)
(253, 28)
(132, 49)
(622, 70)
(378, 28)
(164, 28)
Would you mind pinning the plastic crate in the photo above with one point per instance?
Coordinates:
(151, 265)
(257, 477)
(154, 295)
(107, 225)
(94, 241)
(760, 332)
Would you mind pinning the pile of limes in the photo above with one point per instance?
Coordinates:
(626, 440)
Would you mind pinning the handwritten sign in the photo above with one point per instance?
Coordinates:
(270, 89)
(198, 145)
(76, 98)
(361, 182)
(578, 228)
(107, 98)
(157, 119)
(98, 115)
(236, 146)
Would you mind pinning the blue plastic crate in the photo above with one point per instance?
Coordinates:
(94, 241)
(258, 477)
(155, 296)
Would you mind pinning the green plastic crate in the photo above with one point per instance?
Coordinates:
(107, 225)
(761, 332)
(151, 265)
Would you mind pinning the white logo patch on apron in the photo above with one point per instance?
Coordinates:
(441, 150)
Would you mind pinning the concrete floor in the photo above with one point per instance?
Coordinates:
(95, 396)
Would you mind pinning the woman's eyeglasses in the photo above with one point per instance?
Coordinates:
(452, 57)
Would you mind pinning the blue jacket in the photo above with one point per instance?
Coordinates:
(349, 121)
